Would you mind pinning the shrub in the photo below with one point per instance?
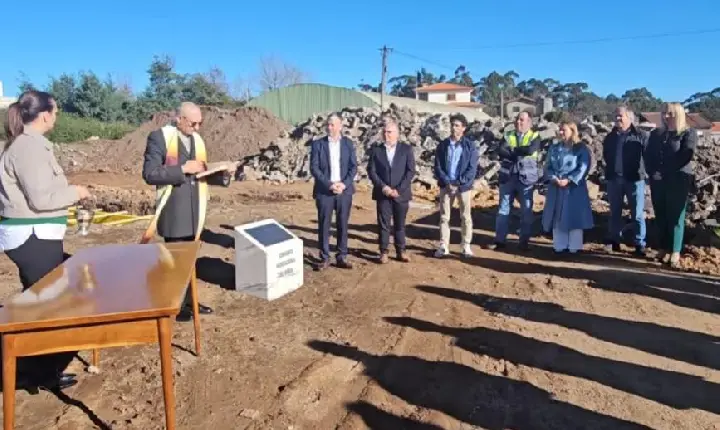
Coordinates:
(72, 128)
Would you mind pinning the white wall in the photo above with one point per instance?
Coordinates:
(439, 97)
(5, 101)
(423, 106)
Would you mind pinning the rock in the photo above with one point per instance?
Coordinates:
(288, 157)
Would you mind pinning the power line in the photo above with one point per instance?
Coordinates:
(589, 41)
(556, 43)
(424, 60)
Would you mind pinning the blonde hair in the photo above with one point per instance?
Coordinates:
(680, 118)
(574, 133)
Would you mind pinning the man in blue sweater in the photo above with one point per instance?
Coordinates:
(456, 163)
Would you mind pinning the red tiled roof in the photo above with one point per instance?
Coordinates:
(522, 99)
(466, 104)
(444, 87)
(694, 120)
(715, 127)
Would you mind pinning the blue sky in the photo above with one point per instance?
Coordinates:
(337, 43)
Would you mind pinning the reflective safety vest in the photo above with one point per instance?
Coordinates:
(526, 167)
(511, 139)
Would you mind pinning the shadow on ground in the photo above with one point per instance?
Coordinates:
(674, 389)
(471, 396)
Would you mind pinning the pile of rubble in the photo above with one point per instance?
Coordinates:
(288, 159)
(229, 134)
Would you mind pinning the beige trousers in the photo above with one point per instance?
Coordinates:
(466, 225)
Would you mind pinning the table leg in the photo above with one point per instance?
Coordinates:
(196, 310)
(96, 358)
(9, 375)
(165, 336)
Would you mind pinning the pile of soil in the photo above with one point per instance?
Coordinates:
(114, 199)
(228, 134)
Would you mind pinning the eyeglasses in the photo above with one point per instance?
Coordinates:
(193, 124)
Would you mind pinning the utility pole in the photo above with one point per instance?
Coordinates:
(502, 102)
(385, 50)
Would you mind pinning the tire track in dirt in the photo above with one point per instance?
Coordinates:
(316, 395)
(411, 343)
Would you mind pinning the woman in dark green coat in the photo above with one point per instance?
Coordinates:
(669, 163)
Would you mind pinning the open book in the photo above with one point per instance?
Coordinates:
(216, 167)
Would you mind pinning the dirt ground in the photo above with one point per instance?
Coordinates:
(499, 341)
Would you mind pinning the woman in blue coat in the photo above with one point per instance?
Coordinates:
(567, 209)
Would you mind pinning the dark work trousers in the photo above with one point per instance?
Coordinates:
(669, 199)
(188, 293)
(34, 259)
(340, 205)
(390, 212)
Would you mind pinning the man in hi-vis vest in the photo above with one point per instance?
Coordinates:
(173, 156)
(519, 172)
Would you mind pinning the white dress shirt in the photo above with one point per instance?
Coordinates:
(334, 148)
(390, 151)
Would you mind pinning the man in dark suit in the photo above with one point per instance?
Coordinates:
(179, 219)
(333, 165)
(391, 169)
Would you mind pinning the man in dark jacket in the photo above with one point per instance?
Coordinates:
(456, 163)
(623, 150)
(391, 169)
(519, 172)
(171, 160)
(333, 165)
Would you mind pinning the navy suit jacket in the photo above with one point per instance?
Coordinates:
(466, 169)
(398, 176)
(320, 166)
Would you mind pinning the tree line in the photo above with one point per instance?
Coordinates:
(575, 98)
(87, 95)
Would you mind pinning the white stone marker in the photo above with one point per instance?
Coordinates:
(268, 259)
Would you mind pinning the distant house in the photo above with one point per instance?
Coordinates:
(536, 107)
(694, 120)
(448, 94)
(715, 130)
(5, 101)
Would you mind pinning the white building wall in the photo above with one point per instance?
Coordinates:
(441, 97)
(5, 101)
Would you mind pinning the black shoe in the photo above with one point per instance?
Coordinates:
(524, 246)
(613, 247)
(204, 310)
(57, 383)
(639, 251)
(184, 315)
(495, 245)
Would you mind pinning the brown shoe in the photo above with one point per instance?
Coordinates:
(324, 264)
(401, 256)
(384, 259)
(344, 264)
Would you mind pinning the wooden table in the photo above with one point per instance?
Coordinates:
(113, 295)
